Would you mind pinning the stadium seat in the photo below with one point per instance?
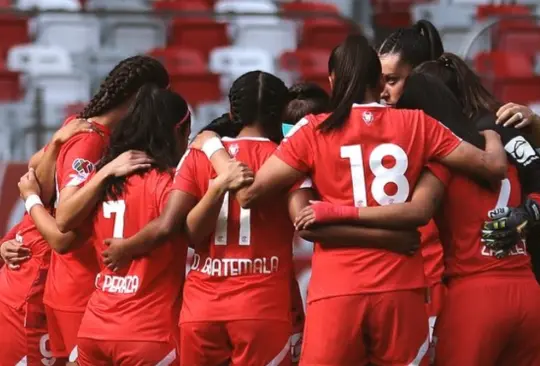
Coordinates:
(309, 65)
(133, 33)
(102, 62)
(324, 33)
(275, 38)
(131, 5)
(39, 60)
(201, 33)
(16, 27)
(59, 89)
(180, 59)
(230, 12)
(10, 86)
(206, 113)
(504, 64)
(393, 13)
(303, 7)
(510, 76)
(72, 5)
(197, 88)
(74, 32)
(232, 62)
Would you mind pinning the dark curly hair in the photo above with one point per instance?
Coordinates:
(255, 97)
(123, 82)
(415, 44)
(156, 121)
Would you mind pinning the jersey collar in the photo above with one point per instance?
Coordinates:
(374, 104)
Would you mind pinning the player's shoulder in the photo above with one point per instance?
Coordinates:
(248, 146)
(157, 180)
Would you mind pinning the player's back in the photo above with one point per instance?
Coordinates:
(244, 270)
(374, 159)
(460, 220)
(139, 302)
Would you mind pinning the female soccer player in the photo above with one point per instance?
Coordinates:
(333, 149)
(70, 280)
(468, 331)
(22, 280)
(400, 53)
(480, 106)
(132, 316)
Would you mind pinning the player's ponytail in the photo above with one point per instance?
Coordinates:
(157, 123)
(355, 68)
(473, 97)
(415, 44)
(429, 94)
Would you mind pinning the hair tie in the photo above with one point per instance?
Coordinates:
(445, 61)
(184, 119)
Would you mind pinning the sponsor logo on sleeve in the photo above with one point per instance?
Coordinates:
(521, 150)
(81, 171)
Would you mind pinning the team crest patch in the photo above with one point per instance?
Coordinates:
(367, 117)
(82, 169)
(233, 150)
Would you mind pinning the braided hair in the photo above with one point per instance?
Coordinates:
(157, 123)
(415, 44)
(255, 97)
(123, 82)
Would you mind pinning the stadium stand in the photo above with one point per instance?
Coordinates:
(64, 53)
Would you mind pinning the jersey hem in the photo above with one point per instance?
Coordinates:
(365, 292)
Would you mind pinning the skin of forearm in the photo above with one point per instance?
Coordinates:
(495, 157)
(200, 222)
(335, 236)
(46, 225)
(45, 171)
(72, 211)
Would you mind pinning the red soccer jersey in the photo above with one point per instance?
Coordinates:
(460, 220)
(375, 159)
(142, 301)
(432, 252)
(16, 287)
(70, 281)
(245, 270)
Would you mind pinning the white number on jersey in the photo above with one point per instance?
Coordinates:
(383, 175)
(222, 221)
(119, 209)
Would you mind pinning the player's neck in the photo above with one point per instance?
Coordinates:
(251, 131)
(370, 97)
(108, 119)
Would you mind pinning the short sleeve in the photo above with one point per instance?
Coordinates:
(296, 148)
(304, 183)
(77, 159)
(441, 172)
(439, 140)
(185, 179)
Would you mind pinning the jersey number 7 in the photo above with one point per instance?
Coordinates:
(119, 210)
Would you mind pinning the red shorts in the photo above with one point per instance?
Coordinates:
(489, 321)
(63, 328)
(92, 352)
(389, 328)
(20, 342)
(240, 342)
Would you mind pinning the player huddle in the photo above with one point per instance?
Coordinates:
(96, 268)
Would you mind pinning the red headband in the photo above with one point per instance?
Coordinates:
(188, 113)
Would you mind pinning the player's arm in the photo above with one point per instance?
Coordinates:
(77, 202)
(171, 221)
(36, 158)
(409, 215)
(200, 222)
(346, 235)
(44, 221)
(45, 169)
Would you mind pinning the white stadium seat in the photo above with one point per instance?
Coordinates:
(74, 32)
(35, 59)
(73, 5)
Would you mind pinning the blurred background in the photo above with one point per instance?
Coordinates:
(54, 54)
